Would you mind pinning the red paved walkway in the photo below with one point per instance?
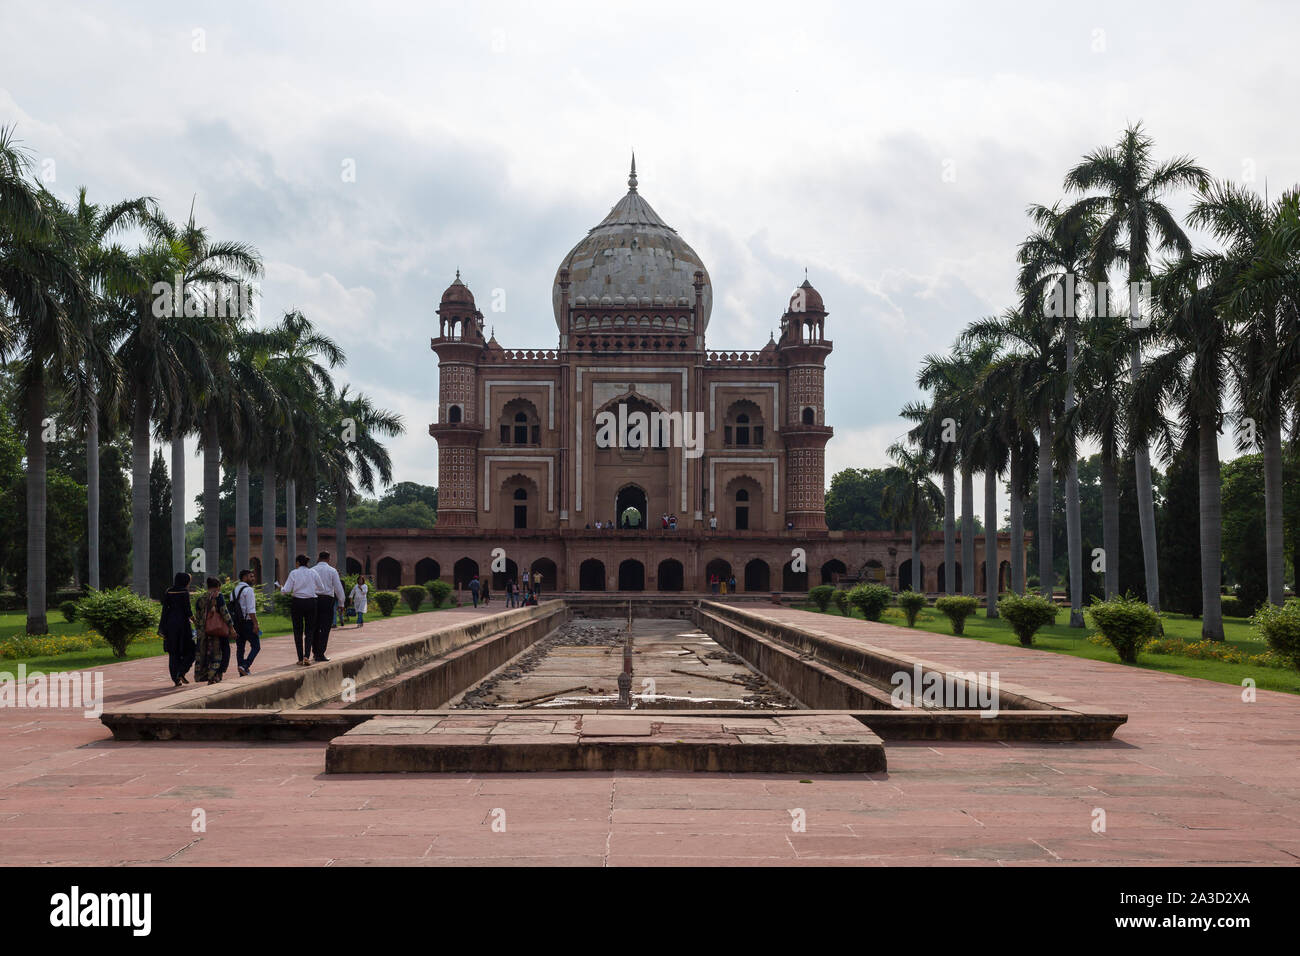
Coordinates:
(1196, 776)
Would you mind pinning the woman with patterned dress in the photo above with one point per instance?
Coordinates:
(215, 629)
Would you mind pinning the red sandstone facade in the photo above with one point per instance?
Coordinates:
(735, 449)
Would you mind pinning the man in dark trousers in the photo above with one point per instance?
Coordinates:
(302, 584)
(328, 598)
(474, 588)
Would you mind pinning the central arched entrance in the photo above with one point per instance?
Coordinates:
(757, 575)
(631, 575)
(591, 575)
(671, 575)
(631, 496)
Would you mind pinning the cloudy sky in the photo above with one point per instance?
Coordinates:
(890, 149)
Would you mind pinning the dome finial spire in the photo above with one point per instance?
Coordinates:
(631, 179)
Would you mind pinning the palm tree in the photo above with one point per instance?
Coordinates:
(1131, 216)
(46, 305)
(1266, 310)
(1103, 415)
(991, 449)
(1051, 261)
(1189, 374)
(936, 432)
(299, 370)
(354, 450)
(167, 351)
(1035, 353)
(93, 387)
(909, 496)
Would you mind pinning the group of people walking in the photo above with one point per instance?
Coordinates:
(315, 592)
(198, 635)
(525, 593)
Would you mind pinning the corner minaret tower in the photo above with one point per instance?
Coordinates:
(802, 350)
(459, 427)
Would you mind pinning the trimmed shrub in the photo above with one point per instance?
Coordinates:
(283, 603)
(911, 602)
(118, 615)
(1280, 626)
(386, 601)
(871, 600)
(1234, 607)
(1128, 623)
(439, 590)
(956, 608)
(821, 596)
(1026, 615)
(413, 595)
(841, 598)
(69, 611)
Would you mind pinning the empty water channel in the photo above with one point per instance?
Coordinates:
(674, 666)
(606, 654)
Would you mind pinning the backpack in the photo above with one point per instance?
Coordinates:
(237, 612)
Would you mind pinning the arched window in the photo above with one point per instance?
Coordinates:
(742, 495)
(743, 425)
(519, 424)
(521, 494)
(453, 415)
(809, 417)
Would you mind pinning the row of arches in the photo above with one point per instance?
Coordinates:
(756, 575)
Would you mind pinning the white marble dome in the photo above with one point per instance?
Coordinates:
(633, 256)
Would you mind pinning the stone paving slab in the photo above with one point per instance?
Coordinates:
(1196, 776)
(829, 743)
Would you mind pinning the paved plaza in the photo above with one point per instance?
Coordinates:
(1195, 776)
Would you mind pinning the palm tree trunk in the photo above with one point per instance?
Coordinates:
(991, 544)
(341, 528)
(313, 539)
(1046, 576)
(140, 492)
(269, 577)
(290, 524)
(1211, 530)
(1017, 523)
(211, 495)
(1146, 504)
(36, 510)
(967, 533)
(918, 575)
(92, 493)
(949, 532)
(1110, 523)
(242, 558)
(1273, 535)
(1073, 523)
(178, 502)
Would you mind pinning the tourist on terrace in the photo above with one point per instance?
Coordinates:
(177, 629)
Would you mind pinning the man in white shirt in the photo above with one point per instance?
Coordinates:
(248, 631)
(302, 586)
(328, 596)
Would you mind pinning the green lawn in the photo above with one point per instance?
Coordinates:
(1060, 638)
(13, 623)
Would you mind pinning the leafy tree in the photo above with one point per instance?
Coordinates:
(853, 500)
